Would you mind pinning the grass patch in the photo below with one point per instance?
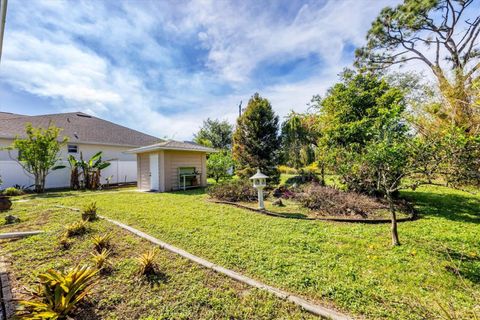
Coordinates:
(180, 289)
(350, 266)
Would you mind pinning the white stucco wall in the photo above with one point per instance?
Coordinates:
(123, 166)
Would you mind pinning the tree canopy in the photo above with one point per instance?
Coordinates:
(441, 34)
(256, 142)
(39, 152)
(215, 133)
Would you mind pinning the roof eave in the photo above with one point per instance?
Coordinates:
(157, 148)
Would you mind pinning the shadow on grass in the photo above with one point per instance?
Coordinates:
(466, 265)
(450, 206)
(60, 193)
(157, 278)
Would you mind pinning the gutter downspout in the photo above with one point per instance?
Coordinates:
(3, 16)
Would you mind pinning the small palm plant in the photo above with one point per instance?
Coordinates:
(57, 293)
(101, 258)
(102, 242)
(147, 264)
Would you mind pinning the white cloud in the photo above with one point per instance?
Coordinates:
(121, 61)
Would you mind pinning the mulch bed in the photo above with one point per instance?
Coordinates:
(411, 217)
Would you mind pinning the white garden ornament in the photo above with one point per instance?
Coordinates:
(259, 182)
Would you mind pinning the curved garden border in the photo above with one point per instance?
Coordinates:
(412, 217)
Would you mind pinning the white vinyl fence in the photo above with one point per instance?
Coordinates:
(13, 174)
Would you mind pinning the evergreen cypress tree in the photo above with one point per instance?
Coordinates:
(256, 142)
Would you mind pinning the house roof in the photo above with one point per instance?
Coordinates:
(79, 127)
(173, 145)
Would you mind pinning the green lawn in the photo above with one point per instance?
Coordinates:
(349, 266)
(182, 289)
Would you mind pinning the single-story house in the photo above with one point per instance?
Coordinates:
(171, 165)
(88, 135)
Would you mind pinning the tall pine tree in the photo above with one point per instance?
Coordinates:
(256, 142)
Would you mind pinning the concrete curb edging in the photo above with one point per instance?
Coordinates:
(13, 235)
(306, 305)
(7, 308)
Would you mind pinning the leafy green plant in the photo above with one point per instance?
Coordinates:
(90, 212)
(100, 258)
(57, 293)
(147, 264)
(219, 165)
(13, 192)
(102, 242)
(39, 152)
(76, 229)
(91, 170)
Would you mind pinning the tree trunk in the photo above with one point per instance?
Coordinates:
(395, 240)
(322, 174)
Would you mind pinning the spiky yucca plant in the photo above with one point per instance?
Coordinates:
(101, 258)
(147, 264)
(57, 293)
(102, 242)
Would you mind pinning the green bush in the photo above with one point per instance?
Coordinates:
(287, 170)
(13, 192)
(233, 191)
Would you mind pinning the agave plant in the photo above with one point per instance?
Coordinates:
(57, 293)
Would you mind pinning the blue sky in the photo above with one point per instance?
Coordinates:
(163, 66)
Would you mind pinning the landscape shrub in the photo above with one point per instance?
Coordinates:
(57, 294)
(287, 170)
(335, 202)
(90, 212)
(233, 191)
(13, 192)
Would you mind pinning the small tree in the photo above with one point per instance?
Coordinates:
(297, 140)
(215, 134)
(219, 164)
(256, 142)
(38, 152)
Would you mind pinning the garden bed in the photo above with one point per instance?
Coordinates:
(288, 211)
(181, 289)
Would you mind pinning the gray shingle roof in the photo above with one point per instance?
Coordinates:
(78, 127)
(8, 115)
(173, 145)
